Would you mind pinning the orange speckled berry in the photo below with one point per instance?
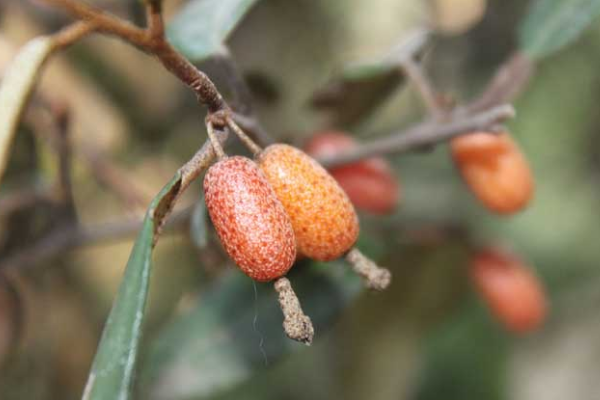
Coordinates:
(370, 183)
(324, 220)
(495, 170)
(249, 219)
(512, 291)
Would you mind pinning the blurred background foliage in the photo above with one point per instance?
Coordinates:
(211, 332)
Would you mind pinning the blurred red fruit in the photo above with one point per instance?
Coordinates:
(511, 290)
(494, 169)
(370, 184)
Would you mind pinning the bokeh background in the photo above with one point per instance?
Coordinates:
(428, 336)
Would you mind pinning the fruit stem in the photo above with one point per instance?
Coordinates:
(249, 143)
(214, 141)
(296, 324)
(375, 277)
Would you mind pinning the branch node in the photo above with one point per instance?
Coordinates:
(296, 324)
(374, 276)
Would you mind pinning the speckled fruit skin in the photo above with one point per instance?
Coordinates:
(370, 184)
(495, 170)
(249, 219)
(324, 220)
(510, 289)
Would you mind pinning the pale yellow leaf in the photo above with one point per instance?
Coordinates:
(15, 89)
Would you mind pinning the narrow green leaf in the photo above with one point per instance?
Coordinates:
(114, 366)
(235, 331)
(198, 225)
(552, 24)
(16, 88)
(202, 26)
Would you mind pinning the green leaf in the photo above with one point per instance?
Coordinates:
(16, 88)
(114, 366)
(552, 24)
(198, 225)
(234, 332)
(202, 26)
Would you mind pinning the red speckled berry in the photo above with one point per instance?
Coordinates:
(494, 169)
(370, 184)
(324, 220)
(511, 290)
(249, 219)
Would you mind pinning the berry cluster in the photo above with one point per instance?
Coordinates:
(283, 205)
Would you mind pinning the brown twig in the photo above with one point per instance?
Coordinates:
(425, 134)
(252, 125)
(156, 25)
(104, 21)
(71, 34)
(151, 40)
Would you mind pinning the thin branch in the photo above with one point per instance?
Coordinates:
(251, 125)
(424, 87)
(151, 41)
(214, 141)
(72, 33)
(249, 143)
(425, 134)
(156, 25)
(104, 21)
(506, 84)
(74, 236)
